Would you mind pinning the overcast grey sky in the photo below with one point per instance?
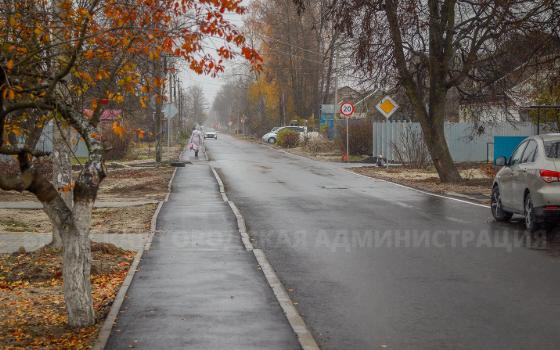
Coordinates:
(210, 85)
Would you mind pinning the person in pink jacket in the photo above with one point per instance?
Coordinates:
(196, 142)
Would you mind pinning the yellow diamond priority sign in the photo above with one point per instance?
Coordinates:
(387, 107)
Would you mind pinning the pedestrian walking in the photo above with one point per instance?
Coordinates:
(196, 142)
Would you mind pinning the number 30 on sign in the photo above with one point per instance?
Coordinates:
(347, 109)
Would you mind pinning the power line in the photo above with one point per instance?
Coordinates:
(285, 43)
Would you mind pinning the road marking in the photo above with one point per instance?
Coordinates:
(295, 320)
(420, 191)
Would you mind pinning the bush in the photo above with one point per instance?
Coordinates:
(360, 136)
(116, 145)
(288, 138)
(319, 144)
(411, 150)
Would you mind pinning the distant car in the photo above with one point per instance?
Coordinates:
(210, 134)
(529, 183)
(272, 136)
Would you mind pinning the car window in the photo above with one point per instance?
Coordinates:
(530, 152)
(516, 156)
(552, 149)
(297, 128)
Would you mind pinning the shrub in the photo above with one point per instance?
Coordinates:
(411, 150)
(360, 136)
(116, 145)
(320, 144)
(288, 138)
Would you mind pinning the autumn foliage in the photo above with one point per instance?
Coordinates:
(59, 58)
(98, 46)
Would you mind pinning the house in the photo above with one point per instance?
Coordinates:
(512, 98)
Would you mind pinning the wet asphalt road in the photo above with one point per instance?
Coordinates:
(372, 265)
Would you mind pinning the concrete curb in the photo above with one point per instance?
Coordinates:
(471, 202)
(105, 331)
(305, 337)
(297, 323)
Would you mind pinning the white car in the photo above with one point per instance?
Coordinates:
(210, 134)
(272, 136)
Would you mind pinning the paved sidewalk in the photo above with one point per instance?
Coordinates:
(197, 287)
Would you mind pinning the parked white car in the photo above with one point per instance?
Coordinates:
(529, 183)
(272, 136)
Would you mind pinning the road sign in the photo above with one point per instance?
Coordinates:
(387, 107)
(169, 110)
(347, 109)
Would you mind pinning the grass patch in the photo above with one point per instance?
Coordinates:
(13, 225)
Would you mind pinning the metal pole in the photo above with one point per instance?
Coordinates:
(347, 141)
(373, 140)
(335, 85)
(538, 120)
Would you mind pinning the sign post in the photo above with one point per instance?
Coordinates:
(347, 109)
(387, 107)
(169, 111)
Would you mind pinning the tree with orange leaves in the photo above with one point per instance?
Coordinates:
(59, 57)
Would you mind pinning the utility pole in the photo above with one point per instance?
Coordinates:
(283, 108)
(336, 83)
(159, 101)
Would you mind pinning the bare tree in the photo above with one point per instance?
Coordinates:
(430, 47)
(197, 104)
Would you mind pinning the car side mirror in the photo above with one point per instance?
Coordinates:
(501, 161)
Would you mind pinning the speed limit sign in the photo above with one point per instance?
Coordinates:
(347, 109)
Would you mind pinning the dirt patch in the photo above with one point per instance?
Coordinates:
(137, 183)
(476, 184)
(329, 156)
(135, 219)
(147, 151)
(17, 220)
(122, 185)
(32, 311)
(123, 220)
(126, 183)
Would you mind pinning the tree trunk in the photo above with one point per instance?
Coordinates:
(434, 137)
(74, 228)
(62, 173)
(76, 269)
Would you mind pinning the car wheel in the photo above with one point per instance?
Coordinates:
(498, 212)
(530, 219)
(272, 140)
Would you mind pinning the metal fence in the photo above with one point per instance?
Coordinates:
(45, 143)
(467, 142)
